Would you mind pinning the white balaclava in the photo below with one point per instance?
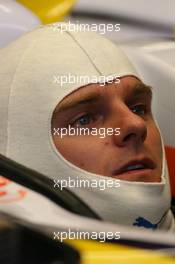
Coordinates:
(28, 97)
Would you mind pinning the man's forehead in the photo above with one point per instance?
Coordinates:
(93, 92)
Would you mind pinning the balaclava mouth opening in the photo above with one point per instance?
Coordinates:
(28, 97)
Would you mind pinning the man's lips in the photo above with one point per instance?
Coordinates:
(137, 166)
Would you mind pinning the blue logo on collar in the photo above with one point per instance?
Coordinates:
(142, 222)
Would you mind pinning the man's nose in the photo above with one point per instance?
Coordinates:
(133, 128)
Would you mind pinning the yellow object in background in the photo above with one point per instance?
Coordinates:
(49, 11)
(93, 252)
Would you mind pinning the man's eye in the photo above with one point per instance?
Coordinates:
(140, 109)
(83, 120)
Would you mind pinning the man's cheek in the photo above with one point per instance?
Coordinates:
(154, 143)
(85, 152)
(74, 148)
(156, 138)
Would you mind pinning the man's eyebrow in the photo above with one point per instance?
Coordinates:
(87, 97)
(141, 89)
(79, 100)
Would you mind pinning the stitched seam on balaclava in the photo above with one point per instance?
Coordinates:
(11, 88)
(82, 48)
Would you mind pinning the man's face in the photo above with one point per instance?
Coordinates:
(135, 154)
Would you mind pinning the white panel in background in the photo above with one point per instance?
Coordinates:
(15, 20)
(154, 11)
